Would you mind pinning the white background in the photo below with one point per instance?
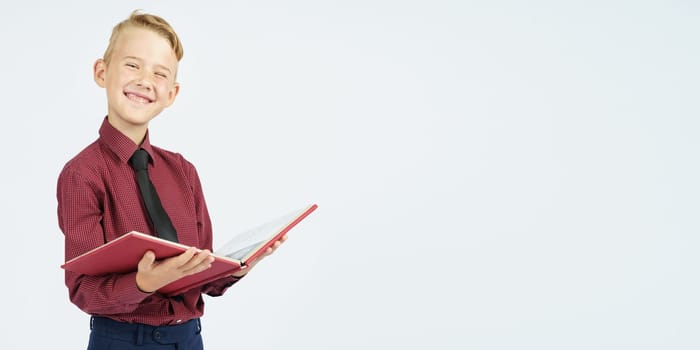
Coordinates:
(489, 174)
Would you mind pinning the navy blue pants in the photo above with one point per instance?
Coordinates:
(109, 334)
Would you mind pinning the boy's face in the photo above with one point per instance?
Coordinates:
(139, 79)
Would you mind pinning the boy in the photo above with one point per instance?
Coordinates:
(99, 199)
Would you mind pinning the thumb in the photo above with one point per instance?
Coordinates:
(147, 261)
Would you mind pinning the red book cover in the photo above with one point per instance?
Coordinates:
(122, 255)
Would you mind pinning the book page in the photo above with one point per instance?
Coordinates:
(248, 241)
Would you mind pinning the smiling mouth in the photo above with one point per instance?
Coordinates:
(137, 98)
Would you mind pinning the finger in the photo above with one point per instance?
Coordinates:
(205, 265)
(147, 261)
(203, 258)
(192, 268)
(186, 256)
(180, 260)
(273, 247)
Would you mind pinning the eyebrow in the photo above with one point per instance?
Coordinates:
(141, 60)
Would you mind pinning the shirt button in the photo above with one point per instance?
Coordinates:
(178, 321)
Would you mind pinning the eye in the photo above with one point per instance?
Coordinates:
(132, 65)
(162, 75)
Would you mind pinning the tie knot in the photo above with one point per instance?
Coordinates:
(139, 161)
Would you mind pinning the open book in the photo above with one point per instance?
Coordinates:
(123, 254)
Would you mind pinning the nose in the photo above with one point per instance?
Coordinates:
(143, 81)
(144, 85)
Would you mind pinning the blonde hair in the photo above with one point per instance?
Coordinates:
(147, 21)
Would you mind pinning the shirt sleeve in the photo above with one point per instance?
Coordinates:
(80, 219)
(204, 226)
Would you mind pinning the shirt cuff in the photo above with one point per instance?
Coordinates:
(219, 287)
(128, 291)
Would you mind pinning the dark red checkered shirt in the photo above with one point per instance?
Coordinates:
(99, 200)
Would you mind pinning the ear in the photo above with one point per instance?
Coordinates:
(98, 72)
(174, 90)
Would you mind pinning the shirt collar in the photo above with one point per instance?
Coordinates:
(120, 144)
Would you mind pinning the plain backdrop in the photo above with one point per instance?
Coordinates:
(489, 174)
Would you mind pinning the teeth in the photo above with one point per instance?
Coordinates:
(137, 98)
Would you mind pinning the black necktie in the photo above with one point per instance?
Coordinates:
(164, 228)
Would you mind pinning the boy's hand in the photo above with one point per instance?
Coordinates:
(153, 275)
(269, 251)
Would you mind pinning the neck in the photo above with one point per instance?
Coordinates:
(135, 132)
